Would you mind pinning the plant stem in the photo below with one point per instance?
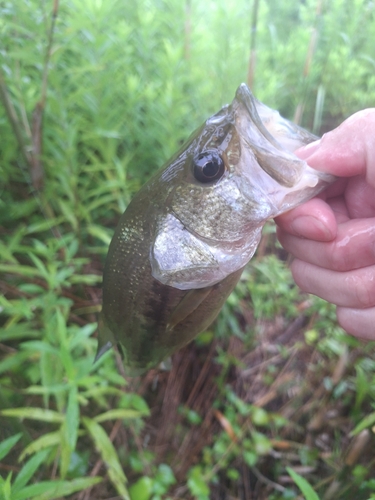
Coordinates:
(13, 119)
(308, 62)
(187, 45)
(253, 33)
(37, 171)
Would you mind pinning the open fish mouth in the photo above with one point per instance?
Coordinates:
(273, 140)
(280, 132)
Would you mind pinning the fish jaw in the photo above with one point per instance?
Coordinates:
(286, 180)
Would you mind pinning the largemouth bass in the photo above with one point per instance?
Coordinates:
(183, 241)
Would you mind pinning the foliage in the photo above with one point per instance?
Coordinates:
(303, 485)
(127, 83)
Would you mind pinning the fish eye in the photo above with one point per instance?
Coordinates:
(208, 166)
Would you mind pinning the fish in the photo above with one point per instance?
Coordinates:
(181, 245)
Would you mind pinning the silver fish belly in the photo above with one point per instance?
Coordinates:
(182, 243)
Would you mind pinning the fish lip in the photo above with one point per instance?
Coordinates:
(248, 100)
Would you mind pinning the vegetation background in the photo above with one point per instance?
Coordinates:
(275, 401)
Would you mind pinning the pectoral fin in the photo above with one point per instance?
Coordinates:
(191, 301)
(106, 339)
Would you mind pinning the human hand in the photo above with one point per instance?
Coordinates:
(332, 237)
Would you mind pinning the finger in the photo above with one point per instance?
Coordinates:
(353, 247)
(336, 189)
(314, 220)
(357, 322)
(360, 198)
(339, 208)
(355, 289)
(348, 150)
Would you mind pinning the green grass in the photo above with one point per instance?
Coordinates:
(275, 397)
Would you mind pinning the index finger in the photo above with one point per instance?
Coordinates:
(346, 151)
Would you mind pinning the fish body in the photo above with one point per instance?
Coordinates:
(182, 243)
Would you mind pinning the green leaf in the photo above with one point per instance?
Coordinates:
(22, 270)
(6, 254)
(303, 485)
(40, 346)
(133, 400)
(50, 490)
(142, 489)
(13, 362)
(109, 456)
(46, 390)
(6, 487)
(259, 416)
(69, 431)
(250, 458)
(85, 279)
(368, 421)
(40, 414)
(262, 443)
(165, 475)
(119, 413)
(14, 332)
(39, 264)
(197, 483)
(44, 225)
(7, 445)
(28, 470)
(101, 233)
(45, 441)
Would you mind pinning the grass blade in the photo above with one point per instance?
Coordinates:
(8, 444)
(34, 414)
(109, 456)
(28, 470)
(303, 485)
(50, 490)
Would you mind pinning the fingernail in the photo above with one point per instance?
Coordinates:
(307, 151)
(312, 228)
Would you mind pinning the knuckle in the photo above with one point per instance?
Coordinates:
(342, 317)
(300, 274)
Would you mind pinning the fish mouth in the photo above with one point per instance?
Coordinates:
(272, 140)
(247, 99)
(277, 162)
